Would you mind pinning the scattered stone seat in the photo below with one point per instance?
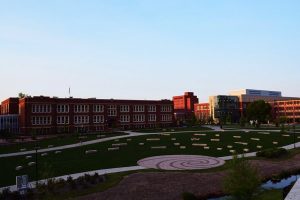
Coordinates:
(159, 147)
(113, 148)
(31, 164)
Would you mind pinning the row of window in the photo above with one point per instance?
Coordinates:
(43, 108)
(84, 108)
(84, 119)
(41, 120)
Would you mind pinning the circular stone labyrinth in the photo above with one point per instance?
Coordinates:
(180, 162)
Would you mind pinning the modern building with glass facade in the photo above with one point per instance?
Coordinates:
(9, 123)
(224, 108)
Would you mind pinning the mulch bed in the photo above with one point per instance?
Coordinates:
(171, 185)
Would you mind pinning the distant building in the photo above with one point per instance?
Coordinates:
(45, 115)
(184, 106)
(247, 96)
(202, 112)
(290, 109)
(10, 106)
(9, 123)
(224, 108)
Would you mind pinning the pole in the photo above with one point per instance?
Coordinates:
(36, 167)
(294, 127)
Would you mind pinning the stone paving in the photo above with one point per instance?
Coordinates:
(181, 162)
(294, 194)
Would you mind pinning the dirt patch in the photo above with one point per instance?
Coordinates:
(170, 185)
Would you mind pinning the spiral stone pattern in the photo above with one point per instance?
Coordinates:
(180, 162)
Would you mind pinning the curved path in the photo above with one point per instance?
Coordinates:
(180, 162)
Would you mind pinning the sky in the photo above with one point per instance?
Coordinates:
(148, 49)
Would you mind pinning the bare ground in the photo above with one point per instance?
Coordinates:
(170, 185)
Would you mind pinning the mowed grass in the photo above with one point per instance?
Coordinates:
(175, 129)
(75, 160)
(55, 141)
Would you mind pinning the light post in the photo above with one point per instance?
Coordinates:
(294, 127)
(36, 167)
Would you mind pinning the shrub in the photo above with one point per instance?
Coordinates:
(272, 153)
(71, 182)
(242, 180)
(188, 196)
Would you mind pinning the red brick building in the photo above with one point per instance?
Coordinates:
(184, 106)
(288, 108)
(202, 111)
(10, 106)
(54, 115)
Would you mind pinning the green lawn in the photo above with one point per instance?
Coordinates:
(75, 160)
(262, 127)
(55, 141)
(270, 195)
(176, 129)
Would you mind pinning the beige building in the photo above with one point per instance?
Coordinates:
(247, 96)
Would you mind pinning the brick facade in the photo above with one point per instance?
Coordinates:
(289, 109)
(10, 106)
(202, 111)
(52, 115)
(184, 106)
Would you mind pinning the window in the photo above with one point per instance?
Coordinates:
(81, 108)
(152, 118)
(81, 119)
(138, 118)
(165, 118)
(97, 119)
(112, 110)
(152, 108)
(124, 108)
(62, 108)
(165, 108)
(62, 120)
(98, 108)
(43, 108)
(124, 118)
(41, 120)
(138, 108)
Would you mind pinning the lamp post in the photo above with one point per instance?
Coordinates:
(36, 167)
(294, 127)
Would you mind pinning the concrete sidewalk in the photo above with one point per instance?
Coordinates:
(294, 194)
(77, 175)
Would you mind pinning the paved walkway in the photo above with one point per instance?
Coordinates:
(294, 194)
(77, 175)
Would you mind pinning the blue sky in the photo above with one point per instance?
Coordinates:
(148, 49)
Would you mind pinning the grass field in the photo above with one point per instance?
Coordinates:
(176, 129)
(55, 141)
(75, 160)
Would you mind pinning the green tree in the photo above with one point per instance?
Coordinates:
(242, 121)
(229, 118)
(242, 180)
(259, 111)
(21, 95)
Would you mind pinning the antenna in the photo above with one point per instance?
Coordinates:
(69, 91)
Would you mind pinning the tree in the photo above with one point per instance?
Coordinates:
(242, 180)
(242, 121)
(229, 118)
(258, 111)
(21, 95)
